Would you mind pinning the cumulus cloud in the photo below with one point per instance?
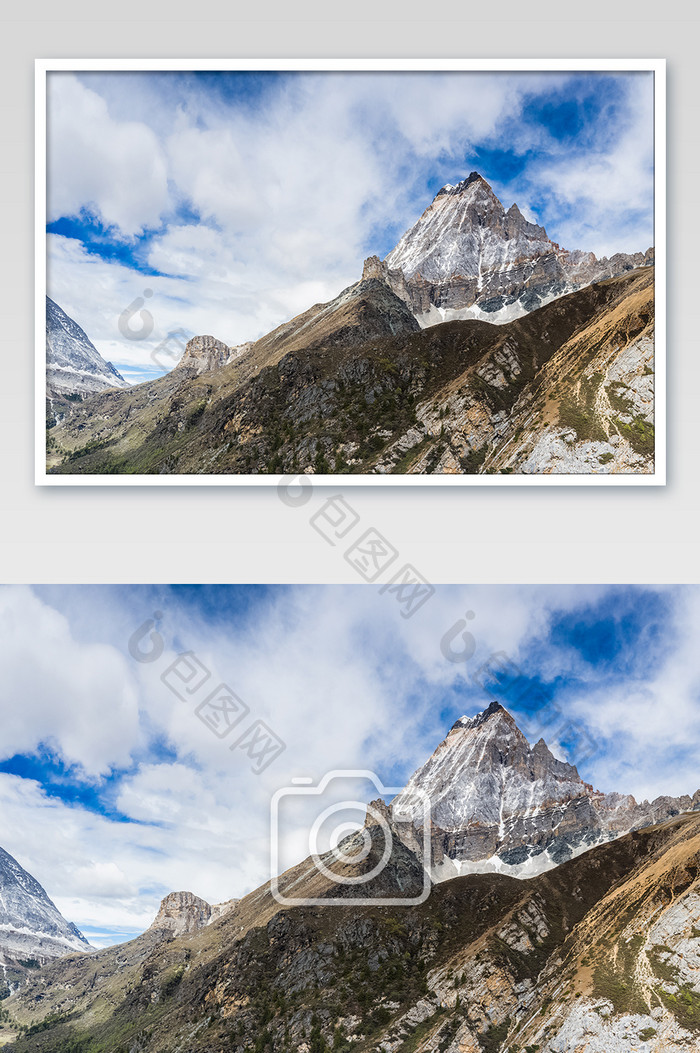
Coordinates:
(115, 169)
(648, 723)
(189, 298)
(600, 198)
(60, 694)
(108, 874)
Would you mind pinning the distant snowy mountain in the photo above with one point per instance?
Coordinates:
(469, 257)
(31, 927)
(499, 804)
(74, 366)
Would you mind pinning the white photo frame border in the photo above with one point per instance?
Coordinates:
(656, 66)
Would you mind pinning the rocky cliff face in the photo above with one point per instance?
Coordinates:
(182, 912)
(469, 257)
(499, 804)
(585, 407)
(202, 354)
(31, 927)
(73, 363)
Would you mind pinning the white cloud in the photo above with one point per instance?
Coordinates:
(223, 301)
(77, 699)
(114, 168)
(606, 193)
(104, 873)
(649, 724)
(193, 251)
(104, 879)
(298, 185)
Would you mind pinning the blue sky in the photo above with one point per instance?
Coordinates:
(113, 793)
(241, 199)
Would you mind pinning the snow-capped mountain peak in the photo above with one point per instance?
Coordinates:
(498, 803)
(466, 231)
(494, 709)
(486, 772)
(468, 256)
(458, 188)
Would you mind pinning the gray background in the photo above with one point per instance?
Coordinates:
(535, 534)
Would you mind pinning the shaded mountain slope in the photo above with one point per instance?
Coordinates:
(532, 407)
(593, 402)
(363, 311)
(487, 964)
(628, 976)
(143, 429)
(356, 389)
(114, 982)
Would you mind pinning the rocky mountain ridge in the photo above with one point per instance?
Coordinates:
(370, 383)
(599, 955)
(355, 386)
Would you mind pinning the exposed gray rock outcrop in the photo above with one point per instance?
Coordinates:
(204, 353)
(182, 912)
